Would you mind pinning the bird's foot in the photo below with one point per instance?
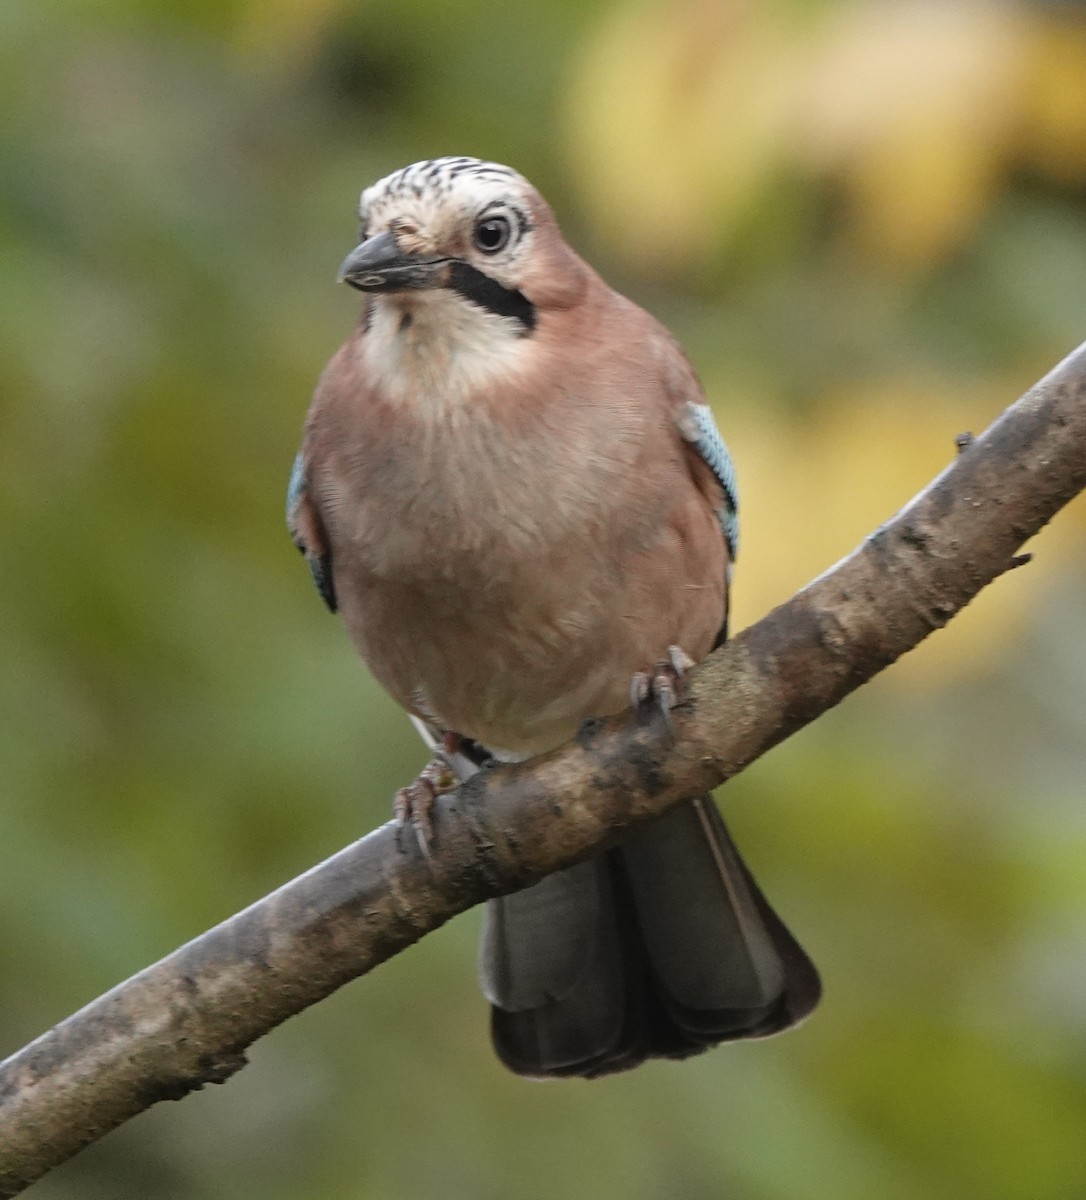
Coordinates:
(663, 685)
(414, 804)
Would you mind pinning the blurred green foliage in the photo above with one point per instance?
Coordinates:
(867, 223)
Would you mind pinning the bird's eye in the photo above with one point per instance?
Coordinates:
(492, 234)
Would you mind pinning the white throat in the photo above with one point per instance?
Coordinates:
(438, 347)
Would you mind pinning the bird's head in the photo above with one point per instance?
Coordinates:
(463, 226)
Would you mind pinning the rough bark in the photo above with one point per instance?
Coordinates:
(187, 1020)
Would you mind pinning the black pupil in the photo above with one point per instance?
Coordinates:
(491, 234)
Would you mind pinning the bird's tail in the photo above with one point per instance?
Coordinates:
(659, 948)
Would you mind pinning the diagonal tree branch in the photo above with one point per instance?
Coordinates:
(187, 1020)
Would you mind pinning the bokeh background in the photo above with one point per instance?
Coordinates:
(867, 223)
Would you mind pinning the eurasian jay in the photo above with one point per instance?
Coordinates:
(512, 488)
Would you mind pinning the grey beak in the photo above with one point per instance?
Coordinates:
(378, 265)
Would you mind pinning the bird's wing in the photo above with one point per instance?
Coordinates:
(698, 428)
(710, 463)
(308, 534)
(695, 422)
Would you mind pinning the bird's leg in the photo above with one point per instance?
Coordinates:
(662, 686)
(414, 804)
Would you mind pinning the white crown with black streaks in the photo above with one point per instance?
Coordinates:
(459, 183)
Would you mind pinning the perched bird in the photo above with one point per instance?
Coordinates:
(512, 489)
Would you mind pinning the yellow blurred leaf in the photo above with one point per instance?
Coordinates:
(811, 492)
(677, 115)
(1054, 127)
(915, 104)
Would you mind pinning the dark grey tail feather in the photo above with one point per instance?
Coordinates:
(660, 948)
(552, 968)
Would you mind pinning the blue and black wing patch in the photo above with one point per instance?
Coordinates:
(308, 535)
(699, 428)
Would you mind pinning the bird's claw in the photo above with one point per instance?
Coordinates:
(663, 684)
(414, 805)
